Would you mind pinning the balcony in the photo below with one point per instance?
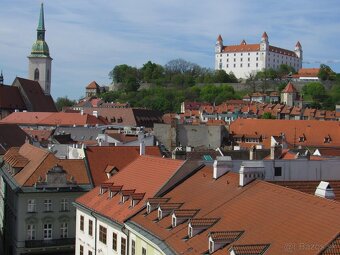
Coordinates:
(48, 243)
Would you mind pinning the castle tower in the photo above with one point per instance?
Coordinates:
(40, 62)
(219, 44)
(298, 51)
(264, 45)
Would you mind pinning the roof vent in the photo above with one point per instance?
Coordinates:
(325, 190)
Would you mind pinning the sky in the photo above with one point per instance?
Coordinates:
(88, 38)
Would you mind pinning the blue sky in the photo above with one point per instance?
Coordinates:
(88, 38)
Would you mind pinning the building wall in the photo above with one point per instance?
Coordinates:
(190, 135)
(92, 243)
(44, 66)
(299, 170)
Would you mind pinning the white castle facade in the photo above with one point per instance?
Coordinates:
(244, 58)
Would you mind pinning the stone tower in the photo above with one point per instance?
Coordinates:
(40, 62)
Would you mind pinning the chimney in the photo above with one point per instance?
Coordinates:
(142, 148)
(252, 153)
(81, 112)
(275, 151)
(249, 171)
(221, 166)
(325, 190)
(95, 114)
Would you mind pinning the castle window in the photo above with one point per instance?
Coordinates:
(234, 65)
(257, 64)
(248, 65)
(248, 59)
(257, 59)
(227, 65)
(241, 54)
(234, 54)
(234, 59)
(241, 59)
(240, 65)
(36, 74)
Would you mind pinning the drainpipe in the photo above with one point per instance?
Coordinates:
(95, 233)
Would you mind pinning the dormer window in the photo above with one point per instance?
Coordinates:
(211, 246)
(148, 208)
(160, 214)
(104, 187)
(136, 198)
(190, 231)
(302, 139)
(327, 139)
(174, 221)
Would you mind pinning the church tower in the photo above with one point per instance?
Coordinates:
(40, 62)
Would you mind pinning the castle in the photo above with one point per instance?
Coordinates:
(244, 58)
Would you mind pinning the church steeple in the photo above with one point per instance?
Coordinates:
(40, 47)
(40, 62)
(41, 25)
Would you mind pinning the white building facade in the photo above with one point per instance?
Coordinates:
(244, 59)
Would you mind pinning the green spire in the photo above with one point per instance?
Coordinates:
(41, 24)
(40, 47)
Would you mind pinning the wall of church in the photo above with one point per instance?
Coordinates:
(44, 66)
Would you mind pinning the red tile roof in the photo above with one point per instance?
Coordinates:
(11, 135)
(264, 212)
(35, 162)
(10, 98)
(315, 131)
(250, 249)
(99, 157)
(146, 174)
(32, 91)
(289, 88)
(92, 85)
(53, 119)
(333, 248)
(241, 48)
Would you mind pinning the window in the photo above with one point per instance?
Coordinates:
(227, 59)
(81, 225)
(30, 232)
(48, 231)
(234, 54)
(234, 59)
(257, 64)
(241, 59)
(36, 74)
(114, 241)
(81, 250)
(227, 65)
(122, 246)
(257, 59)
(102, 234)
(278, 171)
(90, 227)
(211, 246)
(48, 205)
(90, 253)
(143, 251)
(63, 230)
(31, 205)
(248, 65)
(240, 65)
(64, 205)
(234, 65)
(248, 54)
(133, 247)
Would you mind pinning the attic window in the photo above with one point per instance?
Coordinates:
(211, 246)
(327, 139)
(302, 138)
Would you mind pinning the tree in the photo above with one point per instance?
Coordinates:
(284, 70)
(316, 90)
(64, 102)
(151, 72)
(127, 75)
(326, 73)
(251, 81)
(267, 115)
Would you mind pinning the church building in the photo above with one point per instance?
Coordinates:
(244, 59)
(31, 94)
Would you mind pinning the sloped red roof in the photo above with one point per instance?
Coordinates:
(289, 88)
(99, 157)
(314, 131)
(92, 85)
(10, 98)
(265, 213)
(53, 119)
(219, 38)
(146, 174)
(37, 162)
